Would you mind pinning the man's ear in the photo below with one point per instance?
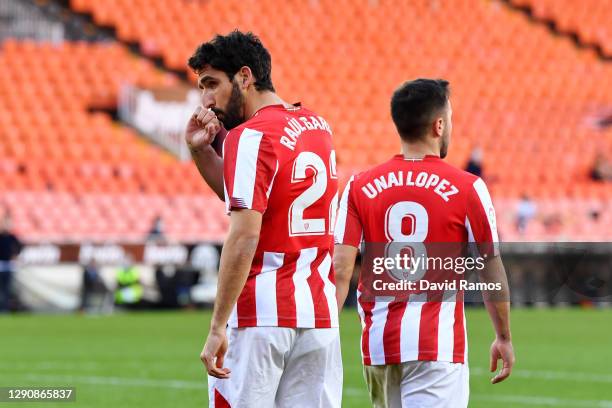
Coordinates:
(438, 127)
(245, 77)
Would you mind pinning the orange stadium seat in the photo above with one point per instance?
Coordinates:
(514, 88)
(59, 153)
(589, 19)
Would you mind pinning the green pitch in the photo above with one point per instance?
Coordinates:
(151, 359)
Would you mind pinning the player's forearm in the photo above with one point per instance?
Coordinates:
(497, 302)
(500, 317)
(236, 259)
(342, 288)
(344, 263)
(210, 166)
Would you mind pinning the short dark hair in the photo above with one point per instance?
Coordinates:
(229, 53)
(415, 104)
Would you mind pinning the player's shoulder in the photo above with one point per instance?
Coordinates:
(246, 139)
(374, 171)
(239, 136)
(459, 177)
(274, 116)
(262, 124)
(247, 130)
(455, 174)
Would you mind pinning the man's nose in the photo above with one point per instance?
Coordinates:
(207, 101)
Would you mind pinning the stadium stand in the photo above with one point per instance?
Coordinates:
(73, 175)
(591, 20)
(514, 84)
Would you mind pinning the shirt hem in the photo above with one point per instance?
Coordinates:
(456, 358)
(279, 322)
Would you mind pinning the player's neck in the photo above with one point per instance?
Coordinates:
(262, 99)
(419, 150)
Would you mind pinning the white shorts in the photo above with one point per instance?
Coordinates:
(280, 367)
(419, 384)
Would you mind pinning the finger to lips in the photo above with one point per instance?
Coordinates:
(211, 129)
(211, 114)
(201, 115)
(206, 116)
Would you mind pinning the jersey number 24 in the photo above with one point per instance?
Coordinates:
(298, 225)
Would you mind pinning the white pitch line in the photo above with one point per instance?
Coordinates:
(120, 381)
(549, 401)
(50, 366)
(477, 371)
(196, 385)
(551, 375)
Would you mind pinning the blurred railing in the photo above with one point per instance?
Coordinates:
(160, 114)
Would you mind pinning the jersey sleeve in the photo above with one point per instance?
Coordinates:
(348, 230)
(480, 221)
(249, 167)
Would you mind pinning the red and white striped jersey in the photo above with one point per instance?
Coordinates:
(427, 201)
(281, 163)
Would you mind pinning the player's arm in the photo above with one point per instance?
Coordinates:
(246, 201)
(497, 303)
(236, 258)
(344, 264)
(210, 166)
(483, 228)
(202, 129)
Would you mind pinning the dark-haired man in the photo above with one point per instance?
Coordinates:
(414, 340)
(278, 179)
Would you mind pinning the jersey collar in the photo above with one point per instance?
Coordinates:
(428, 157)
(296, 106)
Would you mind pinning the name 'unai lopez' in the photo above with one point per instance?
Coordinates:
(441, 186)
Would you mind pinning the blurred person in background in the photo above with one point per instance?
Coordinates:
(129, 289)
(10, 247)
(474, 164)
(602, 169)
(166, 285)
(92, 284)
(525, 212)
(156, 233)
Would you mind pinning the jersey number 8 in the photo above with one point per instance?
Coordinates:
(411, 243)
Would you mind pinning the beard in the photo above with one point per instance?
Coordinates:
(444, 143)
(232, 115)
